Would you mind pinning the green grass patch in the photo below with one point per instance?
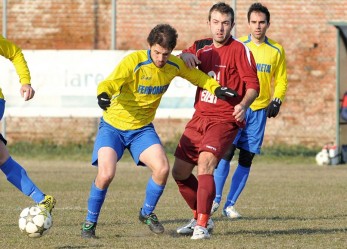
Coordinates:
(283, 206)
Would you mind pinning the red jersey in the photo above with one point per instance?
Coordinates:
(232, 65)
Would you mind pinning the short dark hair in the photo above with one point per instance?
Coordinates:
(258, 7)
(163, 35)
(222, 8)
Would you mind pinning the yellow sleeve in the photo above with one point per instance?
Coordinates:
(12, 52)
(122, 74)
(280, 78)
(198, 78)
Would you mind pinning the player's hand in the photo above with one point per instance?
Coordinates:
(27, 92)
(190, 60)
(104, 101)
(224, 93)
(239, 112)
(273, 108)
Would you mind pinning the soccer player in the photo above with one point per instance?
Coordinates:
(271, 65)
(130, 96)
(207, 135)
(14, 172)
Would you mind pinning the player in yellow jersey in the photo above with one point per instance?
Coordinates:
(14, 172)
(130, 96)
(271, 70)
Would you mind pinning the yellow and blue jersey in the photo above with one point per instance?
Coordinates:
(137, 86)
(271, 65)
(12, 52)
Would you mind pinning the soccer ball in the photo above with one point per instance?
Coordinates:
(322, 158)
(35, 221)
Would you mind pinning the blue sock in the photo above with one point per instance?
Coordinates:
(17, 175)
(237, 184)
(95, 201)
(220, 175)
(153, 193)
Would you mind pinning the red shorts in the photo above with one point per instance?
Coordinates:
(205, 134)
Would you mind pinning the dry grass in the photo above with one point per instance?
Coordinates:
(285, 205)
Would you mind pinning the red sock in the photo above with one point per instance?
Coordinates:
(188, 189)
(206, 194)
(202, 219)
(195, 214)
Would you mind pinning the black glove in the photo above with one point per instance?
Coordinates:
(273, 108)
(104, 101)
(224, 93)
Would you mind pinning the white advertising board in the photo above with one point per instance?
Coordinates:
(65, 82)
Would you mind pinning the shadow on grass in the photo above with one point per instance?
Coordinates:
(298, 231)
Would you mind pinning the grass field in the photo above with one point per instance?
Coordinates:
(286, 204)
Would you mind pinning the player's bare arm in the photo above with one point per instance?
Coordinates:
(27, 92)
(190, 60)
(240, 109)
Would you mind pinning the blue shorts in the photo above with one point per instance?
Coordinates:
(2, 108)
(251, 137)
(136, 141)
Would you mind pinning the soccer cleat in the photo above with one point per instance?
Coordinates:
(231, 213)
(215, 207)
(88, 230)
(48, 203)
(188, 229)
(200, 233)
(152, 221)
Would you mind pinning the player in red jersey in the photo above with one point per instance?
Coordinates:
(215, 121)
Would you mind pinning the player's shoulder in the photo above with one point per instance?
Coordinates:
(175, 61)
(274, 44)
(137, 56)
(244, 39)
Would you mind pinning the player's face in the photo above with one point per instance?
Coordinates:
(159, 55)
(220, 27)
(258, 26)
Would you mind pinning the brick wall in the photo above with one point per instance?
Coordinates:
(308, 114)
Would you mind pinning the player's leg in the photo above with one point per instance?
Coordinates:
(238, 183)
(186, 157)
(220, 175)
(188, 187)
(212, 147)
(249, 144)
(18, 176)
(146, 149)
(107, 159)
(108, 149)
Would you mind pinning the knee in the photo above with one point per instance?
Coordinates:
(179, 174)
(104, 180)
(175, 173)
(246, 158)
(229, 154)
(162, 172)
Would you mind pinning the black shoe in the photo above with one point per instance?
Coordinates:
(152, 221)
(88, 230)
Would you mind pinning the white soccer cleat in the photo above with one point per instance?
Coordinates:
(231, 213)
(215, 207)
(189, 228)
(200, 233)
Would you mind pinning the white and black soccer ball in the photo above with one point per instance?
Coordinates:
(35, 221)
(322, 158)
